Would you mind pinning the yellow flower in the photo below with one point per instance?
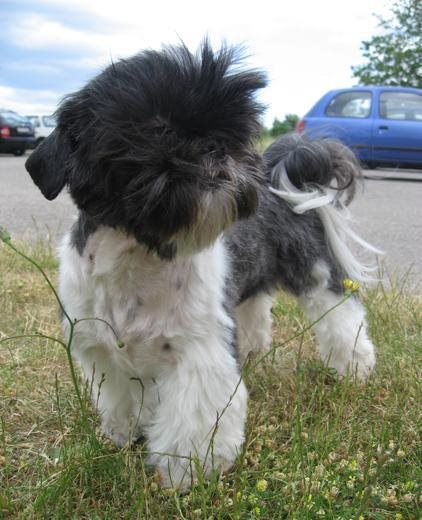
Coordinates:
(353, 465)
(252, 499)
(350, 286)
(400, 454)
(256, 511)
(261, 485)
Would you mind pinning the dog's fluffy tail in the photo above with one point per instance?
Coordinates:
(321, 175)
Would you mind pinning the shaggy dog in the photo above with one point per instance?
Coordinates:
(184, 234)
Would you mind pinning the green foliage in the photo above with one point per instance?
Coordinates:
(395, 56)
(284, 127)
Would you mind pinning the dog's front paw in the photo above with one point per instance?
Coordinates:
(182, 473)
(177, 475)
(121, 433)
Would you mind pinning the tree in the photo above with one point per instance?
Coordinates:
(395, 56)
(283, 127)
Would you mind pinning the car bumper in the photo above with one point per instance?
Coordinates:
(12, 144)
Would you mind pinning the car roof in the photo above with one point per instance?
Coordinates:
(375, 88)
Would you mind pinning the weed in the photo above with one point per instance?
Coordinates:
(316, 447)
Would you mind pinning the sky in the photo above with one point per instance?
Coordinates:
(49, 48)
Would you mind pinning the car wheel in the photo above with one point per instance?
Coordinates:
(20, 152)
(369, 165)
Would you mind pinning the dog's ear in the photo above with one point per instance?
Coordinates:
(48, 164)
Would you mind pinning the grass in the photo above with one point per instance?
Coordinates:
(316, 447)
(264, 142)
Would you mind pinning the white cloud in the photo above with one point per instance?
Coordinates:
(26, 101)
(307, 47)
(32, 67)
(38, 32)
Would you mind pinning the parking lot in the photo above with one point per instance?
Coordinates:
(388, 214)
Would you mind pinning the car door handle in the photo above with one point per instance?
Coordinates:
(383, 127)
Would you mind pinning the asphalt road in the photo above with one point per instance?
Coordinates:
(388, 214)
(24, 212)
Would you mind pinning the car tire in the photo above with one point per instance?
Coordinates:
(18, 153)
(369, 165)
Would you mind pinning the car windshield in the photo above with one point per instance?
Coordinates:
(49, 121)
(13, 118)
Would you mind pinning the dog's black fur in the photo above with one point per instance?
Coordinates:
(144, 142)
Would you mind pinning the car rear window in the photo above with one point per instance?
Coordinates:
(12, 118)
(350, 104)
(403, 106)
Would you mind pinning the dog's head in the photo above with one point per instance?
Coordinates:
(159, 145)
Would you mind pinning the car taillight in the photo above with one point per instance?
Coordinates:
(300, 127)
(5, 131)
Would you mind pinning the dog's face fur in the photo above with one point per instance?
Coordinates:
(174, 175)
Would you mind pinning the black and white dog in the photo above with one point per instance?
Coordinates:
(183, 236)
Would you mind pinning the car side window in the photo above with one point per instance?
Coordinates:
(356, 104)
(401, 106)
(35, 121)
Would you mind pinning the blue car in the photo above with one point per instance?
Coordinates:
(383, 125)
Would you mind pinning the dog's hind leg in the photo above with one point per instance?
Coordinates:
(339, 324)
(316, 180)
(254, 322)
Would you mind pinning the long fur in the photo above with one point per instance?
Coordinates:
(170, 128)
(184, 234)
(321, 175)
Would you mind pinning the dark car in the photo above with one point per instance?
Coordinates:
(383, 125)
(16, 133)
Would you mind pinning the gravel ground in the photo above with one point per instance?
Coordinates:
(388, 213)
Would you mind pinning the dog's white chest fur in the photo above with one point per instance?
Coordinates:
(150, 305)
